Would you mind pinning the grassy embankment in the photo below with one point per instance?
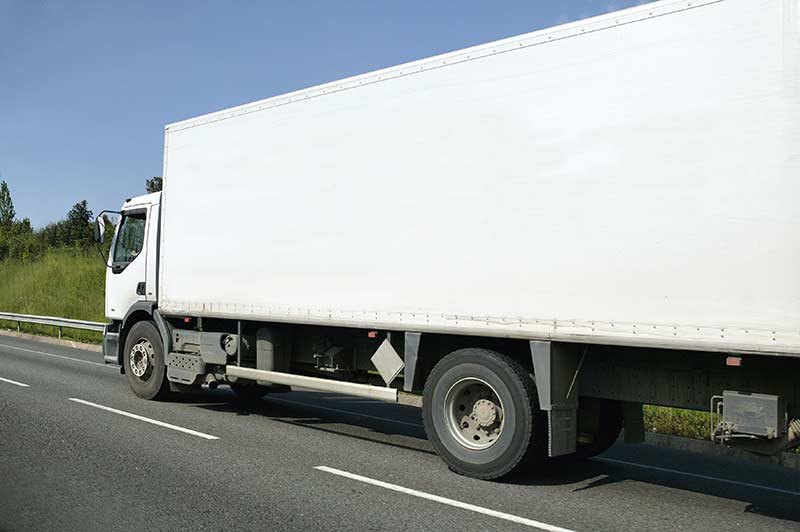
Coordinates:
(63, 283)
(69, 284)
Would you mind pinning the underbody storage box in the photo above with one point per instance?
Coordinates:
(754, 413)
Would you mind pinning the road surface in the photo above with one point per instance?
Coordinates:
(79, 452)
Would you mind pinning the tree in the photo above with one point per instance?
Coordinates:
(79, 225)
(7, 213)
(21, 244)
(153, 185)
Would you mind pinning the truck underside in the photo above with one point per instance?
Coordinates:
(491, 405)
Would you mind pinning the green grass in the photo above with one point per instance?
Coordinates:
(64, 283)
(676, 421)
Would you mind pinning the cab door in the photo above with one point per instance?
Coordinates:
(126, 281)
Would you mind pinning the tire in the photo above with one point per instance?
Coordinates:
(600, 421)
(248, 390)
(470, 433)
(147, 379)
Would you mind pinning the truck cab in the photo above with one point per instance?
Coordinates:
(133, 260)
(132, 265)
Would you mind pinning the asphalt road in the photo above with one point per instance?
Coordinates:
(316, 461)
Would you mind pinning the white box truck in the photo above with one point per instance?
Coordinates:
(537, 235)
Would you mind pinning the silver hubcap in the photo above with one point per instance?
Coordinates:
(142, 358)
(474, 413)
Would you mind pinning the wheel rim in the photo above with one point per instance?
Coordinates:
(474, 413)
(142, 359)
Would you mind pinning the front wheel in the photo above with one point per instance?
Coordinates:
(481, 414)
(144, 361)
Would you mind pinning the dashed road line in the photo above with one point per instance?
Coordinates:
(15, 383)
(443, 500)
(146, 419)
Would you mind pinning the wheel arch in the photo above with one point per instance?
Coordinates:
(142, 311)
(433, 347)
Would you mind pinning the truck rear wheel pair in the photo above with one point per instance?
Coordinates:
(248, 390)
(481, 413)
(599, 426)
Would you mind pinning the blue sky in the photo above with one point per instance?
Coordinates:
(86, 87)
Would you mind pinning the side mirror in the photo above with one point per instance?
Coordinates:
(105, 217)
(100, 230)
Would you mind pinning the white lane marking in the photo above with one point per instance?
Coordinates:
(696, 475)
(348, 412)
(58, 356)
(145, 419)
(444, 500)
(15, 382)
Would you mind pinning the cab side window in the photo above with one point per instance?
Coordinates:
(130, 239)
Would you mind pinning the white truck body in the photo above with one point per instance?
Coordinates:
(629, 179)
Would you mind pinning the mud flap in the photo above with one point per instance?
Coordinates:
(555, 368)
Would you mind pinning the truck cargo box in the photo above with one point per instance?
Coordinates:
(628, 179)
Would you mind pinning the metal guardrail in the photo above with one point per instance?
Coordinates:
(61, 323)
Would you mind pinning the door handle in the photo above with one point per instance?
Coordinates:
(141, 289)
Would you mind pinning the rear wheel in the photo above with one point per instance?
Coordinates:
(599, 425)
(144, 361)
(481, 414)
(249, 390)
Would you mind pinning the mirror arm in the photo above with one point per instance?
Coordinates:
(100, 252)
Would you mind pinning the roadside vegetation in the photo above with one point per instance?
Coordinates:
(56, 270)
(64, 282)
(677, 421)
